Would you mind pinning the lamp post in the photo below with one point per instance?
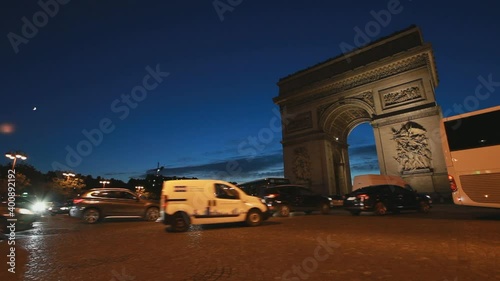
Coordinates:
(68, 175)
(104, 183)
(14, 156)
(139, 189)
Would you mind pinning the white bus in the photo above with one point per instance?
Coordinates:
(471, 144)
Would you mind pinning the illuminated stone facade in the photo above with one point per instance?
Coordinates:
(390, 84)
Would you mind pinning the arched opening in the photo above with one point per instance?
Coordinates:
(362, 150)
(337, 122)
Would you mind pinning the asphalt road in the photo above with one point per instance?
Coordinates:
(450, 243)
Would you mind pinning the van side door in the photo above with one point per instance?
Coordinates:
(227, 203)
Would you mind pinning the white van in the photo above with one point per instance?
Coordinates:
(361, 181)
(187, 202)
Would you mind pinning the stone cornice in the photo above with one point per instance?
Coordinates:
(359, 51)
(365, 75)
(433, 111)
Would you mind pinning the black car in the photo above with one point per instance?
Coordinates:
(96, 204)
(381, 199)
(283, 199)
(60, 207)
(20, 217)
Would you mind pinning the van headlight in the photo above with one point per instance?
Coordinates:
(24, 211)
(39, 206)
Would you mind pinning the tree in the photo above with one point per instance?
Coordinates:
(19, 183)
(68, 187)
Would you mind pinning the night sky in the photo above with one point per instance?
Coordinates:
(204, 74)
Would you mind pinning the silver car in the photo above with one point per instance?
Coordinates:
(100, 203)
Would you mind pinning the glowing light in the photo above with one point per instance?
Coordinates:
(6, 128)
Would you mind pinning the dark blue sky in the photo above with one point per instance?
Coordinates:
(214, 82)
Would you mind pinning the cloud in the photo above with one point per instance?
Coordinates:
(359, 150)
(363, 159)
(235, 169)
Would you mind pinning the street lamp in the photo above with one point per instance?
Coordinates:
(104, 183)
(14, 157)
(139, 188)
(67, 175)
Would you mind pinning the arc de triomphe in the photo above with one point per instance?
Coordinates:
(390, 84)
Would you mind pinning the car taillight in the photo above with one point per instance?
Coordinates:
(453, 184)
(76, 201)
(165, 201)
(362, 197)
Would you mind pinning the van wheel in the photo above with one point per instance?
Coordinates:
(284, 211)
(424, 207)
(91, 216)
(324, 209)
(180, 222)
(254, 218)
(380, 209)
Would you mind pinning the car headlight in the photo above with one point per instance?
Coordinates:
(24, 211)
(39, 206)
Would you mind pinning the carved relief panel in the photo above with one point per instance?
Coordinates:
(410, 92)
(302, 165)
(300, 122)
(412, 148)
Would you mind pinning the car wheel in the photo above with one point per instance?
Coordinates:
(380, 209)
(254, 218)
(355, 213)
(91, 215)
(324, 209)
(180, 222)
(424, 207)
(152, 214)
(284, 211)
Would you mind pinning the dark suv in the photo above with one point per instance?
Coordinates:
(100, 203)
(283, 199)
(384, 198)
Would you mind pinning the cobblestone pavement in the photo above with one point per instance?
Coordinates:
(450, 243)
